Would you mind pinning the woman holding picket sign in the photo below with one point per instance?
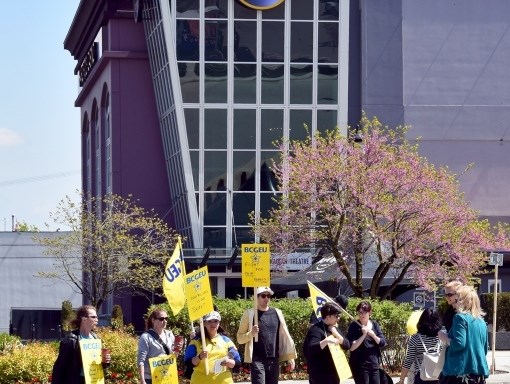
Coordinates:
(424, 341)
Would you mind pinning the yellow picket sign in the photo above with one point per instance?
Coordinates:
(91, 359)
(198, 293)
(256, 265)
(319, 298)
(164, 369)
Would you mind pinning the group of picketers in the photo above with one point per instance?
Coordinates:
(267, 343)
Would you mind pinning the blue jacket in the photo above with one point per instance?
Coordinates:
(469, 343)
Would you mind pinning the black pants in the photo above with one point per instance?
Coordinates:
(366, 376)
(265, 370)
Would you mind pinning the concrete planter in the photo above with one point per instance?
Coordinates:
(502, 340)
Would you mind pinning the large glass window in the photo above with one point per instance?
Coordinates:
(244, 128)
(243, 205)
(271, 128)
(272, 91)
(268, 180)
(215, 129)
(215, 170)
(245, 41)
(328, 10)
(216, 40)
(298, 119)
(302, 10)
(301, 83)
(244, 171)
(327, 84)
(215, 88)
(189, 78)
(301, 42)
(187, 38)
(328, 42)
(272, 48)
(245, 83)
(326, 120)
(192, 116)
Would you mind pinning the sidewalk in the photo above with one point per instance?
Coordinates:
(502, 359)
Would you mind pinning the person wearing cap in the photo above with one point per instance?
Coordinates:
(274, 343)
(220, 352)
(320, 365)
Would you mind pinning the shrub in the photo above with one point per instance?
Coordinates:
(29, 364)
(8, 343)
(117, 317)
(503, 313)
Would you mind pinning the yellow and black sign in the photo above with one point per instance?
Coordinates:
(256, 265)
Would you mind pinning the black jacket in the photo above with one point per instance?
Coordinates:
(320, 365)
(68, 366)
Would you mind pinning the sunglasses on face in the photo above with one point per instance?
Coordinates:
(265, 295)
(162, 318)
(449, 294)
(91, 317)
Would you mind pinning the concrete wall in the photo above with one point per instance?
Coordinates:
(20, 260)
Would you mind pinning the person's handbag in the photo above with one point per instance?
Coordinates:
(384, 377)
(432, 363)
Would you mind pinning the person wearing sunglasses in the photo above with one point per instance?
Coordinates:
(220, 353)
(367, 339)
(156, 341)
(450, 294)
(274, 343)
(320, 366)
(68, 367)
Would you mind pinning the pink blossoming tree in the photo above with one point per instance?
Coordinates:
(379, 206)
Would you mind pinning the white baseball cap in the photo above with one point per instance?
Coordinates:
(212, 316)
(264, 289)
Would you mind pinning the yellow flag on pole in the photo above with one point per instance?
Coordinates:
(173, 280)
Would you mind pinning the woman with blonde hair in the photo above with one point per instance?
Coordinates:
(467, 341)
(450, 294)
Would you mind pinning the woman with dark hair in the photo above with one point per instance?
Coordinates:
(366, 343)
(428, 326)
(157, 341)
(320, 365)
(220, 353)
(68, 367)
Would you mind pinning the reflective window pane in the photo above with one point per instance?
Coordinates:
(277, 13)
(327, 84)
(215, 205)
(271, 128)
(187, 8)
(215, 170)
(272, 84)
(245, 83)
(243, 236)
(215, 87)
(268, 180)
(243, 205)
(328, 43)
(298, 120)
(302, 10)
(301, 84)
(328, 10)
(272, 49)
(245, 41)
(214, 237)
(216, 9)
(215, 129)
(189, 78)
(194, 156)
(191, 116)
(267, 201)
(244, 128)
(301, 42)
(187, 37)
(242, 12)
(244, 171)
(326, 120)
(216, 39)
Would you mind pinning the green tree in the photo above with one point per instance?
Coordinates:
(113, 244)
(376, 204)
(67, 315)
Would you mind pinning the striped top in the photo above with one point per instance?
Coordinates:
(414, 353)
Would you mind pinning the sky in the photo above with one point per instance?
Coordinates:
(39, 125)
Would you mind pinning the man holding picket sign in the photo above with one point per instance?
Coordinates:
(263, 329)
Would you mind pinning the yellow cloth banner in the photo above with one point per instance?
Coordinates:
(198, 293)
(91, 358)
(412, 322)
(256, 265)
(319, 298)
(164, 369)
(173, 281)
